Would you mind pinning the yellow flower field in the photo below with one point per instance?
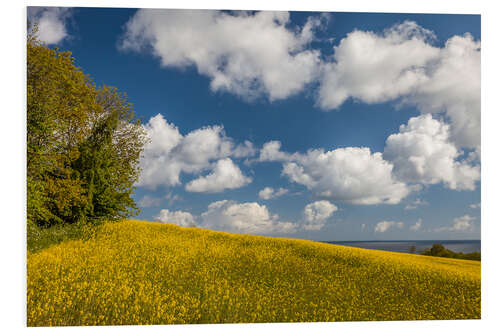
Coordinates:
(136, 272)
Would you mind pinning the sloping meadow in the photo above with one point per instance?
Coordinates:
(135, 272)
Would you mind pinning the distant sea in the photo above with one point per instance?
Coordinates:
(465, 246)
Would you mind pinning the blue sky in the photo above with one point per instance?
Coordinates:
(333, 89)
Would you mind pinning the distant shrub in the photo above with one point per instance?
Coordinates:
(438, 250)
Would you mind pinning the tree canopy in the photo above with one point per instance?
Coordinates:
(438, 250)
(83, 143)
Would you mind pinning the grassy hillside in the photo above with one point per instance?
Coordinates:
(137, 272)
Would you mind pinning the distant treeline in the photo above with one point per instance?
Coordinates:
(438, 250)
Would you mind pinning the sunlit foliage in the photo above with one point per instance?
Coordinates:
(83, 143)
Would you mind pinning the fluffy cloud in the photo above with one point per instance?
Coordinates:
(316, 214)
(245, 149)
(454, 87)
(269, 193)
(242, 53)
(159, 165)
(383, 226)
(249, 217)
(352, 175)
(51, 23)
(266, 193)
(225, 175)
(271, 152)
(423, 153)
(417, 225)
(475, 205)
(460, 224)
(169, 153)
(401, 63)
(375, 68)
(183, 219)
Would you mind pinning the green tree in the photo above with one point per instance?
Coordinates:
(83, 143)
(108, 161)
(437, 249)
(58, 98)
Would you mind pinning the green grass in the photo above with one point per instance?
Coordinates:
(137, 272)
(39, 238)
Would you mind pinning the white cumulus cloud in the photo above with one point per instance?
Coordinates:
(51, 23)
(225, 175)
(248, 217)
(423, 153)
(248, 54)
(403, 64)
(316, 214)
(271, 151)
(268, 193)
(383, 226)
(244, 149)
(460, 224)
(183, 219)
(351, 174)
(374, 67)
(454, 87)
(168, 154)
